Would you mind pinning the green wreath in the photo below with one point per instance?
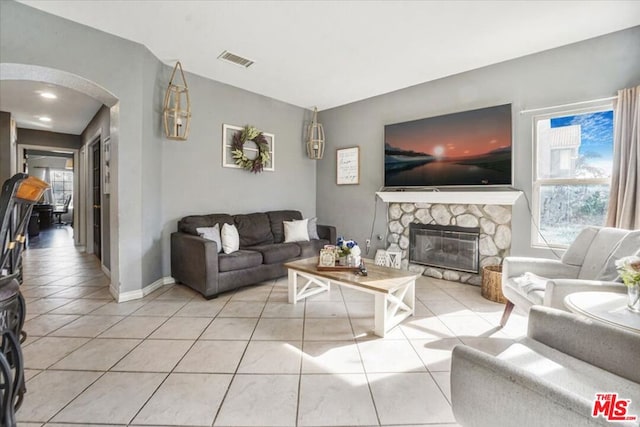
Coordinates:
(249, 133)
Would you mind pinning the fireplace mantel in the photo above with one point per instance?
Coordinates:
(451, 197)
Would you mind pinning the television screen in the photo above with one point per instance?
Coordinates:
(460, 149)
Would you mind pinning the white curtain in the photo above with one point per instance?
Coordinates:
(624, 200)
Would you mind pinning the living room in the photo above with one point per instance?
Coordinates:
(157, 181)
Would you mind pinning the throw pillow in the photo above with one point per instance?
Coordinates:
(296, 231)
(211, 233)
(313, 229)
(230, 238)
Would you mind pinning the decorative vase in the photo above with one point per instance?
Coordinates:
(634, 297)
(342, 260)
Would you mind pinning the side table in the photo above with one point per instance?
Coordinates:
(606, 307)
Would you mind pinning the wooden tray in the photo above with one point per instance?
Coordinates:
(339, 268)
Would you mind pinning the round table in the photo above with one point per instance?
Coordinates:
(606, 307)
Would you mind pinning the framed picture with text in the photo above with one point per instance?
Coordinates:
(348, 166)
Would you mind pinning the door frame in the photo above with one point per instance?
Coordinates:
(88, 178)
(78, 200)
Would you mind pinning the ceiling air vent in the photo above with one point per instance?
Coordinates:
(235, 59)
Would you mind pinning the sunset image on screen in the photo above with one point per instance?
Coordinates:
(467, 148)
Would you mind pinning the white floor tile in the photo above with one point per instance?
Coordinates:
(389, 356)
(115, 398)
(213, 357)
(199, 396)
(335, 400)
(154, 356)
(181, 328)
(50, 391)
(271, 357)
(279, 329)
(230, 328)
(331, 357)
(260, 400)
(97, 355)
(400, 399)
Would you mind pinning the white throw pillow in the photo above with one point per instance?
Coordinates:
(211, 233)
(230, 238)
(296, 231)
(313, 229)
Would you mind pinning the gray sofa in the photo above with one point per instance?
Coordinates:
(195, 261)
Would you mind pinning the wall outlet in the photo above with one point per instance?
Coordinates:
(368, 245)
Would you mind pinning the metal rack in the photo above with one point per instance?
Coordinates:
(19, 194)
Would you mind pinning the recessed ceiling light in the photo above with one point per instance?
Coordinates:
(44, 119)
(48, 95)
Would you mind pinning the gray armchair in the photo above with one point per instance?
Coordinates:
(548, 378)
(587, 265)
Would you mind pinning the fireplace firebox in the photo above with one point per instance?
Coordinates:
(449, 247)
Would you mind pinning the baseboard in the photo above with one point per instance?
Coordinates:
(141, 293)
(106, 271)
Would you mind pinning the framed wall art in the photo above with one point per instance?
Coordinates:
(348, 166)
(250, 149)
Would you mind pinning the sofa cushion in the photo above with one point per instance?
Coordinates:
(575, 253)
(239, 260)
(190, 224)
(276, 218)
(278, 252)
(311, 248)
(254, 229)
(604, 243)
(629, 245)
(565, 372)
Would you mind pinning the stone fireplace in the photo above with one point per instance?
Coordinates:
(491, 222)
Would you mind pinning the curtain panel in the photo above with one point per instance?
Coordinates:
(624, 200)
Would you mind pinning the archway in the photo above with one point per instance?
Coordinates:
(12, 71)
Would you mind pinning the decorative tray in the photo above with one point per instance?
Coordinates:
(340, 268)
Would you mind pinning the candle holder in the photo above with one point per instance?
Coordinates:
(177, 107)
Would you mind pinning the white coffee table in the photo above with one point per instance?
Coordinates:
(394, 290)
(606, 307)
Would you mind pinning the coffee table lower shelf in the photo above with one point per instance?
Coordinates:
(394, 297)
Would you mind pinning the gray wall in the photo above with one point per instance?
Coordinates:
(100, 125)
(7, 148)
(48, 139)
(193, 179)
(29, 36)
(160, 180)
(584, 71)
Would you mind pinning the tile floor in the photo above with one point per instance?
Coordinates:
(247, 358)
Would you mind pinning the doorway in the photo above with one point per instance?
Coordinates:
(96, 191)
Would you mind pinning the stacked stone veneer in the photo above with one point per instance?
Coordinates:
(494, 222)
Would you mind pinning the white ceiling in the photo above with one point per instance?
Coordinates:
(70, 112)
(330, 53)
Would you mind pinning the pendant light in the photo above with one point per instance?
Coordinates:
(177, 107)
(315, 138)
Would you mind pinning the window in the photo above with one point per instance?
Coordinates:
(573, 162)
(61, 185)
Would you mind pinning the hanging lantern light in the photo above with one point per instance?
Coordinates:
(177, 107)
(315, 138)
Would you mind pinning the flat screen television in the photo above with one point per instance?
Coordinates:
(470, 148)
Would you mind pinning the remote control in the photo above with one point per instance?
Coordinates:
(363, 270)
